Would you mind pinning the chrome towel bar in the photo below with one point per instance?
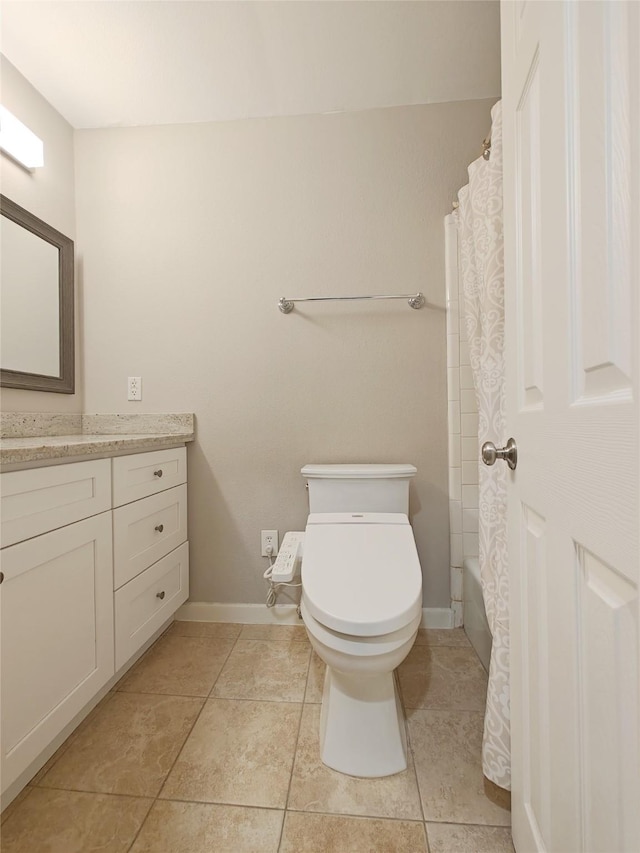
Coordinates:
(415, 300)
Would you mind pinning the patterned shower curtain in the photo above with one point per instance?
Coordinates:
(481, 247)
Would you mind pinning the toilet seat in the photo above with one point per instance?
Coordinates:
(362, 647)
(360, 572)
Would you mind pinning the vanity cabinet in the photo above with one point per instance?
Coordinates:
(94, 561)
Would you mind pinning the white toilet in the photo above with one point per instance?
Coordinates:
(361, 604)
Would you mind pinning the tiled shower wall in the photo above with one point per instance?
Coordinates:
(463, 427)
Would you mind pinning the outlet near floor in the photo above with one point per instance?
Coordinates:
(269, 539)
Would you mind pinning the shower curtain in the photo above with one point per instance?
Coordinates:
(479, 222)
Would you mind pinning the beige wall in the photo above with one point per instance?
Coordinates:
(48, 193)
(189, 234)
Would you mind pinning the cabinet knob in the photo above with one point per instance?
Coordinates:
(159, 528)
(1, 576)
(160, 595)
(158, 473)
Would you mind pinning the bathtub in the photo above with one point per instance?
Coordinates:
(475, 619)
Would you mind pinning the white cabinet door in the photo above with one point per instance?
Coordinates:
(57, 643)
(571, 181)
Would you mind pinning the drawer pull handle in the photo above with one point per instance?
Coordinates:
(159, 528)
(1, 576)
(160, 595)
(158, 473)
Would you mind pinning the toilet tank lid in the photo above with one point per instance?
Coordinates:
(358, 472)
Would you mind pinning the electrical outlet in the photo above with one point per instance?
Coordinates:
(269, 538)
(134, 388)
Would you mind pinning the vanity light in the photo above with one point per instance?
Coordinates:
(19, 142)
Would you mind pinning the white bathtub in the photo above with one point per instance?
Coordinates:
(475, 618)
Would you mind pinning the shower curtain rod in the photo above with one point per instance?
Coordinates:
(416, 300)
(486, 153)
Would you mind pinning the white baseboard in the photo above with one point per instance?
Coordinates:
(437, 617)
(248, 614)
(282, 614)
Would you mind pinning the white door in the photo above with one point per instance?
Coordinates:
(571, 101)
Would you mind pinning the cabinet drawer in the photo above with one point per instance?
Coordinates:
(42, 499)
(57, 635)
(144, 474)
(146, 530)
(142, 605)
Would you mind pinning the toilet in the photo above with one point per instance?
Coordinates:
(361, 605)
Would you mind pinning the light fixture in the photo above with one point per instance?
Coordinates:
(19, 142)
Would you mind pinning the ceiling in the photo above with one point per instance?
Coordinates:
(114, 63)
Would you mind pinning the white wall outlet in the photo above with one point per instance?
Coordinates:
(134, 388)
(269, 538)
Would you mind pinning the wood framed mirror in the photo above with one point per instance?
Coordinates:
(36, 300)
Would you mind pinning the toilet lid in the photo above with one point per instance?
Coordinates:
(361, 574)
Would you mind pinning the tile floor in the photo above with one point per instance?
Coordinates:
(210, 743)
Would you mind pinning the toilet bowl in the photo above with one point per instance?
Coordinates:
(361, 605)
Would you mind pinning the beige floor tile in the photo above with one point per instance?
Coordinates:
(260, 669)
(203, 828)
(72, 822)
(443, 677)
(182, 666)
(13, 805)
(240, 752)
(315, 679)
(315, 833)
(129, 746)
(67, 743)
(442, 637)
(460, 838)
(317, 788)
(212, 630)
(447, 749)
(274, 632)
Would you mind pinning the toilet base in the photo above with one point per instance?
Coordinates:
(362, 730)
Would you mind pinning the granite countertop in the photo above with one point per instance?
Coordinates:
(89, 435)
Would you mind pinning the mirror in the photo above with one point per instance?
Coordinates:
(36, 275)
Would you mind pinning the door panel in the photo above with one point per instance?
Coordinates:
(530, 367)
(535, 664)
(607, 683)
(600, 179)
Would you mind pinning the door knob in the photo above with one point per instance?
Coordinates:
(509, 453)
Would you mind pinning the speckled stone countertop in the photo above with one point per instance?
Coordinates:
(93, 435)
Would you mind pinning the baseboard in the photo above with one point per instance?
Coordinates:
(282, 614)
(248, 614)
(437, 617)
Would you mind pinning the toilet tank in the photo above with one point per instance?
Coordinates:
(359, 488)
